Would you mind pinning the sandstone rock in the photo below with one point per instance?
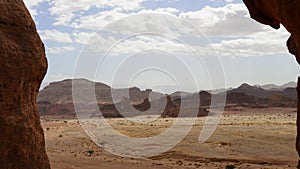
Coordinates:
(22, 67)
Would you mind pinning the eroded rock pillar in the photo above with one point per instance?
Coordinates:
(23, 66)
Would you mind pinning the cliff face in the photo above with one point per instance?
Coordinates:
(23, 65)
(276, 12)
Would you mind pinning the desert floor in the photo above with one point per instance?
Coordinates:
(245, 138)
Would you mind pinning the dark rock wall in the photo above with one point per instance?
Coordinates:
(23, 66)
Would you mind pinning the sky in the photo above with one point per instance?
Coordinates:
(166, 45)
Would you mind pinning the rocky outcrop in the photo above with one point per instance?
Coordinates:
(285, 12)
(61, 92)
(22, 67)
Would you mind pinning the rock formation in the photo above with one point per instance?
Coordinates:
(285, 12)
(22, 67)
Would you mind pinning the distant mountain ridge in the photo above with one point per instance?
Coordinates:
(263, 93)
(56, 98)
(278, 88)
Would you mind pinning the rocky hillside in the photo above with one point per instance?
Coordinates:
(61, 92)
(263, 93)
(256, 97)
(56, 100)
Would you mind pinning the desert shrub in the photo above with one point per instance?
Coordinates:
(230, 167)
(179, 162)
(90, 152)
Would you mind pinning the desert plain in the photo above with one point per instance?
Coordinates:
(244, 138)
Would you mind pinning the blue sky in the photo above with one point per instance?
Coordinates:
(245, 51)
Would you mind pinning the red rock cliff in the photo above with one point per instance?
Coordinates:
(22, 67)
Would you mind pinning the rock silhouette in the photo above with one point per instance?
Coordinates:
(22, 67)
(285, 12)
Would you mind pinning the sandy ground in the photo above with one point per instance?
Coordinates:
(255, 138)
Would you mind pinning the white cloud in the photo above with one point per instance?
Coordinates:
(55, 35)
(138, 44)
(64, 10)
(32, 4)
(59, 50)
(232, 21)
(167, 11)
(144, 43)
(97, 21)
(66, 6)
(83, 37)
(64, 19)
(220, 21)
(267, 42)
(247, 38)
(102, 19)
(227, 1)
